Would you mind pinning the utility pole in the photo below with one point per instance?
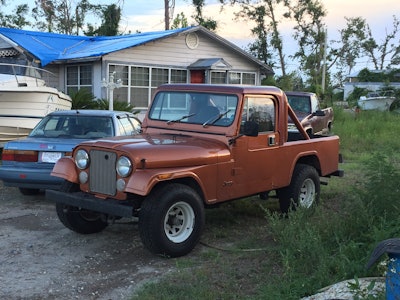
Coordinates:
(324, 62)
(169, 6)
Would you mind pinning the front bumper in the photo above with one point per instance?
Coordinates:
(86, 201)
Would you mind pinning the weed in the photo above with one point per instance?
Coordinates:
(361, 292)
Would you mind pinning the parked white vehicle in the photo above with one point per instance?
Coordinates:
(379, 100)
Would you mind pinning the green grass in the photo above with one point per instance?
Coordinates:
(248, 251)
(366, 132)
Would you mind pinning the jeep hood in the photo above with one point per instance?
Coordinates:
(166, 150)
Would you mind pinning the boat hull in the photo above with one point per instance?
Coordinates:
(21, 108)
(378, 103)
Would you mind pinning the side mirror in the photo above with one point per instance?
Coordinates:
(319, 113)
(250, 128)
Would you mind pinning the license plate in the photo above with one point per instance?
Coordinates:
(50, 157)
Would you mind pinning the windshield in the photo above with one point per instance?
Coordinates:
(193, 107)
(85, 127)
(299, 103)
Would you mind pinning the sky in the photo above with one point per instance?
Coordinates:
(148, 15)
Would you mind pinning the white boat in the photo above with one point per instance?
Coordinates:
(25, 99)
(379, 100)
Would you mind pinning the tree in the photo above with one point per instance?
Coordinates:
(180, 21)
(63, 16)
(205, 22)
(110, 16)
(358, 36)
(60, 15)
(17, 19)
(349, 51)
(310, 34)
(357, 42)
(268, 38)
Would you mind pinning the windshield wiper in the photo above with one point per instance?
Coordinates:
(180, 119)
(213, 120)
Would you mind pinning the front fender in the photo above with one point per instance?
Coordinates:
(143, 181)
(65, 168)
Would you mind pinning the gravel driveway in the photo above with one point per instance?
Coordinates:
(41, 259)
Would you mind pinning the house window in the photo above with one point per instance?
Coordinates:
(140, 83)
(242, 78)
(178, 76)
(122, 71)
(79, 77)
(158, 77)
(140, 76)
(234, 78)
(139, 88)
(249, 78)
(218, 77)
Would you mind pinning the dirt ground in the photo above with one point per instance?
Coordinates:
(41, 259)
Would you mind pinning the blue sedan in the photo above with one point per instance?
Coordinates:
(28, 162)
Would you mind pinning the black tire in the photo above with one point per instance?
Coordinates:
(303, 191)
(69, 187)
(329, 128)
(395, 106)
(76, 219)
(80, 220)
(171, 220)
(29, 192)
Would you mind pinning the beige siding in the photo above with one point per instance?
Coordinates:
(174, 52)
(171, 52)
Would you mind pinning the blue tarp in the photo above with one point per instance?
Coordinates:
(50, 47)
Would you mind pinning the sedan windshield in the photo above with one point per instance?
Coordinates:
(193, 107)
(84, 127)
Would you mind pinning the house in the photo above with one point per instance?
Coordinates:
(353, 82)
(136, 64)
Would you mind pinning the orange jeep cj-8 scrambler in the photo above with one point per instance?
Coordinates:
(200, 145)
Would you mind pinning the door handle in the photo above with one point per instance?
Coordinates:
(271, 140)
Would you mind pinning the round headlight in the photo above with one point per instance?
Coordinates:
(124, 166)
(82, 159)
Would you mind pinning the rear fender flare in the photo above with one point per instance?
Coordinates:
(310, 158)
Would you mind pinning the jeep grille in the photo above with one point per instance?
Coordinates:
(102, 172)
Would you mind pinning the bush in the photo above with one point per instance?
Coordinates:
(331, 247)
(117, 105)
(83, 99)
